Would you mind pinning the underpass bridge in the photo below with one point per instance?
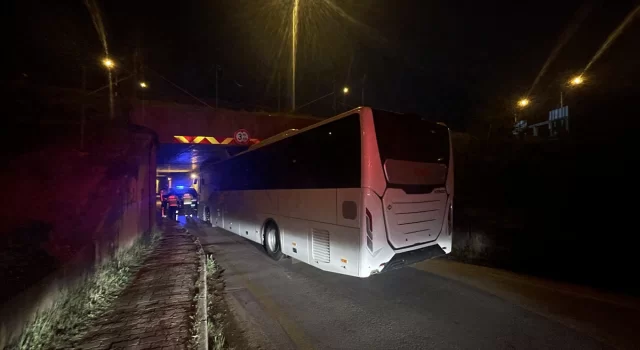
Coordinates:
(191, 134)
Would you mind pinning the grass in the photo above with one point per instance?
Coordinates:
(194, 320)
(215, 321)
(75, 308)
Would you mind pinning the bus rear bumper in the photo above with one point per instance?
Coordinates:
(413, 256)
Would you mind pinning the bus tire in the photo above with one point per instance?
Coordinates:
(271, 239)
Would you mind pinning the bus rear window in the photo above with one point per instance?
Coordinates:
(410, 138)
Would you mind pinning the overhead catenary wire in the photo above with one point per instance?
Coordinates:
(194, 96)
(180, 88)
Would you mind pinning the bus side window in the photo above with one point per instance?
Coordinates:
(340, 157)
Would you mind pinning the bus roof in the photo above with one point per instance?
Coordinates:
(274, 138)
(288, 133)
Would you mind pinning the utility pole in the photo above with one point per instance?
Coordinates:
(84, 100)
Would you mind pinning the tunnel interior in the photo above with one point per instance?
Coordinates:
(177, 164)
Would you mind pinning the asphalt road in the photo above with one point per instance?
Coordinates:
(433, 305)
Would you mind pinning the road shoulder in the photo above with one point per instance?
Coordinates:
(253, 312)
(580, 308)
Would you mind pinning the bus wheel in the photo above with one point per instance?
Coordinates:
(272, 241)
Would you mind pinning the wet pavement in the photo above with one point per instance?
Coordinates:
(439, 304)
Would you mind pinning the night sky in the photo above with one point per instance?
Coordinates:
(452, 60)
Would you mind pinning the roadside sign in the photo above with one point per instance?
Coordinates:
(559, 113)
(241, 137)
(211, 140)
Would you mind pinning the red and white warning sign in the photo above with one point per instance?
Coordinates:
(241, 137)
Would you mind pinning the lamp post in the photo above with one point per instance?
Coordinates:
(345, 92)
(573, 82)
(110, 65)
(578, 80)
(294, 49)
(522, 104)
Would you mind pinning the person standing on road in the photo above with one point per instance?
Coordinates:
(163, 200)
(187, 200)
(172, 201)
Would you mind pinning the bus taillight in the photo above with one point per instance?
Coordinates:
(369, 224)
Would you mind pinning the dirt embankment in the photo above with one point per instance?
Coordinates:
(550, 208)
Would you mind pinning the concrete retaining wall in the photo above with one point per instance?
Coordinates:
(117, 209)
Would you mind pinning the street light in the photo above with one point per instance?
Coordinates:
(107, 62)
(578, 80)
(523, 102)
(345, 90)
(294, 50)
(575, 81)
(143, 85)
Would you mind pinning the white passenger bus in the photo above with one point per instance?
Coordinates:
(360, 193)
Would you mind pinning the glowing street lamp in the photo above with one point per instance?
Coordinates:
(578, 80)
(345, 90)
(523, 102)
(107, 62)
(143, 85)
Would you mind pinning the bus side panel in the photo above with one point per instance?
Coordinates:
(250, 224)
(295, 210)
(222, 206)
(214, 204)
(244, 213)
(238, 213)
(232, 207)
(349, 207)
(294, 235)
(342, 250)
(307, 222)
(308, 204)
